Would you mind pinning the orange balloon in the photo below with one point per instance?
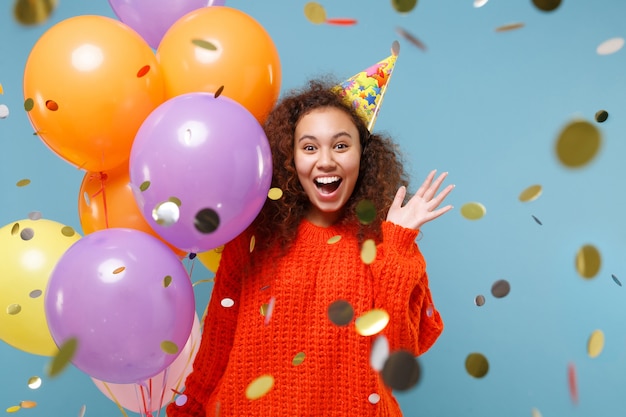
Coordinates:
(106, 200)
(89, 83)
(214, 47)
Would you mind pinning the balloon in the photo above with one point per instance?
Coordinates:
(211, 259)
(89, 82)
(106, 200)
(201, 169)
(126, 395)
(29, 250)
(152, 22)
(216, 47)
(126, 299)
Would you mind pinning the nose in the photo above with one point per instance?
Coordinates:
(325, 160)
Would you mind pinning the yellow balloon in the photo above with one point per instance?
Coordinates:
(29, 251)
(211, 258)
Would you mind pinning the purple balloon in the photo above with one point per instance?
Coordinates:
(152, 19)
(128, 301)
(201, 168)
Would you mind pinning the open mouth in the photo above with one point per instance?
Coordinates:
(327, 185)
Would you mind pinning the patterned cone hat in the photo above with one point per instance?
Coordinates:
(365, 90)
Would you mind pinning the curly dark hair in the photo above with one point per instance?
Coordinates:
(381, 169)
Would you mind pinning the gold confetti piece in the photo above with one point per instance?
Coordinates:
(401, 371)
(63, 358)
(169, 347)
(204, 44)
(1, 89)
(275, 193)
(218, 92)
(601, 116)
(29, 103)
(14, 309)
(334, 239)
(530, 194)
(144, 185)
(252, 243)
(82, 411)
(500, 288)
(13, 409)
(476, 365)
(610, 46)
(207, 221)
(68, 231)
(28, 404)
(588, 261)
(535, 413)
(509, 27)
(23, 183)
(340, 312)
(34, 382)
(166, 214)
(52, 105)
(403, 6)
(365, 211)
(15, 229)
(259, 387)
(167, 281)
(547, 5)
(143, 71)
(595, 344)
(33, 12)
(119, 270)
(372, 322)
(175, 200)
(315, 13)
(479, 300)
(473, 211)
(411, 38)
(578, 143)
(27, 234)
(263, 309)
(368, 251)
(203, 281)
(298, 359)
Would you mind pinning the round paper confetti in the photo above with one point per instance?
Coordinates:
(34, 215)
(380, 353)
(616, 280)
(601, 116)
(166, 214)
(536, 220)
(334, 239)
(23, 183)
(373, 398)
(340, 313)
(13, 409)
(14, 309)
(275, 193)
(227, 302)
(169, 347)
(68, 231)
(204, 44)
(33, 12)
(259, 387)
(63, 357)
(368, 251)
(207, 221)
(480, 3)
(167, 281)
(410, 38)
(530, 194)
(35, 293)
(82, 411)
(476, 365)
(366, 211)
(500, 288)
(547, 5)
(372, 322)
(181, 400)
(28, 404)
(219, 91)
(252, 243)
(143, 71)
(535, 413)
(578, 143)
(315, 13)
(595, 344)
(4, 111)
(572, 382)
(403, 6)
(298, 359)
(401, 371)
(610, 46)
(34, 382)
(509, 27)
(27, 234)
(588, 261)
(479, 300)
(473, 211)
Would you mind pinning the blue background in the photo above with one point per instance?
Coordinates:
(486, 106)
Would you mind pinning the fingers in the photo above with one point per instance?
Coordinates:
(426, 184)
(399, 198)
(434, 186)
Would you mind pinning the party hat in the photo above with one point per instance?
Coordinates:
(365, 90)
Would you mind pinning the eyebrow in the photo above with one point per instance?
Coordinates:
(335, 136)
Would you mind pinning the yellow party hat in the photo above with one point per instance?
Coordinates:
(365, 90)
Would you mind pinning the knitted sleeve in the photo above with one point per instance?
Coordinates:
(218, 332)
(401, 288)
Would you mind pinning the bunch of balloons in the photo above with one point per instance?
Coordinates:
(163, 111)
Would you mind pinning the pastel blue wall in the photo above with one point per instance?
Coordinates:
(485, 106)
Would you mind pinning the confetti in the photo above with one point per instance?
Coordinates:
(373, 398)
(595, 344)
(531, 193)
(144, 185)
(616, 280)
(143, 71)
(473, 211)
(368, 251)
(340, 313)
(571, 381)
(403, 6)
(34, 382)
(169, 347)
(509, 27)
(479, 300)
(379, 353)
(601, 116)
(275, 193)
(207, 221)
(401, 371)
(33, 12)
(28, 404)
(480, 3)
(227, 302)
(578, 143)
(167, 281)
(610, 46)
(341, 21)
(365, 211)
(334, 239)
(52, 105)
(298, 359)
(259, 387)
(500, 288)
(63, 357)
(537, 220)
(23, 182)
(4, 111)
(588, 261)
(218, 92)
(547, 5)
(315, 13)
(476, 365)
(166, 213)
(372, 322)
(204, 44)
(411, 38)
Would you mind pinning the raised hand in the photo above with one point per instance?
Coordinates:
(423, 206)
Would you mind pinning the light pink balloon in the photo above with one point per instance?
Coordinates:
(130, 396)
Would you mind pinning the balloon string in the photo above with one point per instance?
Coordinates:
(115, 399)
(143, 398)
(163, 389)
(103, 178)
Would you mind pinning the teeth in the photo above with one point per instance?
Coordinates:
(327, 180)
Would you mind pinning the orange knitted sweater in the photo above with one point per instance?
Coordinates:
(280, 312)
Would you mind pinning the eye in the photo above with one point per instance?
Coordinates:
(308, 148)
(341, 146)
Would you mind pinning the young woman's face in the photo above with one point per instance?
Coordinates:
(327, 155)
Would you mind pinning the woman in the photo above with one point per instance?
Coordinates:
(271, 344)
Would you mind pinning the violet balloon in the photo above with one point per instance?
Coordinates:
(126, 298)
(152, 20)
(201, 169)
